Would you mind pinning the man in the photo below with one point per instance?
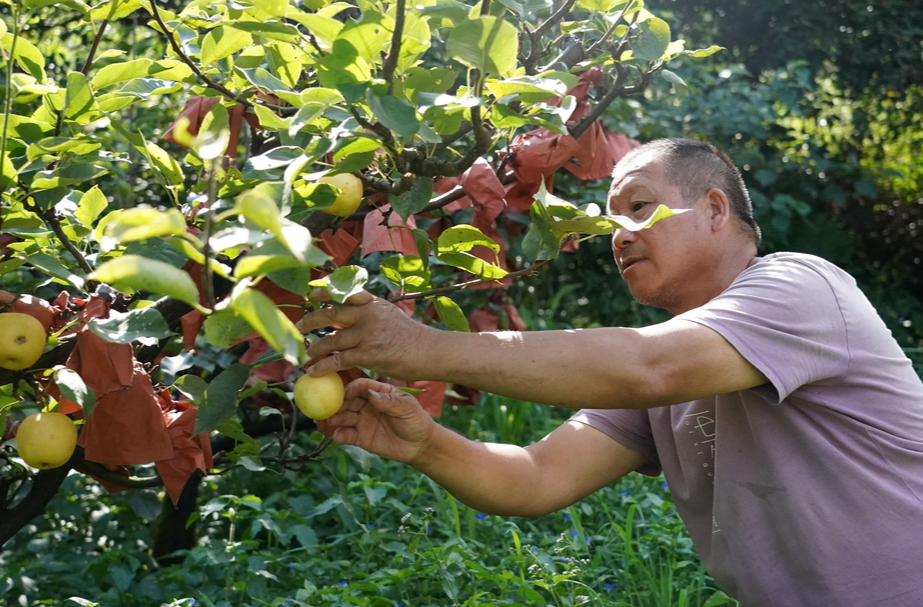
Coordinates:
(785, 418)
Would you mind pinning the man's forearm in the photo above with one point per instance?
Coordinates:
(573, 369)
(489, 477)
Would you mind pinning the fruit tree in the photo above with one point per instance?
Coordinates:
(178, 178)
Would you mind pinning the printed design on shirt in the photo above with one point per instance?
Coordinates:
(701, 427)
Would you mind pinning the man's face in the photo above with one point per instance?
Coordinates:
(659, 263)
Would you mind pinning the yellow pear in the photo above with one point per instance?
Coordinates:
(319, 397)
(350, 196)
(22, 339)
(46, 440)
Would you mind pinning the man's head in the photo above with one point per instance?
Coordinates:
(696, 167)
(683, 261)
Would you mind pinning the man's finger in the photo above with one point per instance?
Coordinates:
(360, 299)
(334, 316)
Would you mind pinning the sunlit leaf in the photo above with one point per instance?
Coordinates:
(653, 39)
(451, 314)
(135, 273)
(221, 42)
(263, 315)
(343, 282)
(486, 43)
(139, 223)
(146, 325)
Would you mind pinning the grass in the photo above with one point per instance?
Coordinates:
(357, 530)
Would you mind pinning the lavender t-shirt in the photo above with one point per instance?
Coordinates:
(808, 490)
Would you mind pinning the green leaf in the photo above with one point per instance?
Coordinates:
(653, 39)
(704, 52)
(113, 10)
(486, 43)
(164, 165)
(79, 100)
(135, 273)
(369, 35)
(53, 267)
(408, 272)
(263, 315)
(678, 83)
(140, 223)
(273, 30)
(223, 328)
(7, 171)
(223, 41)
(73, 388)
(220, 400)
(415, 199)
(120, 72)
(343, 282)
(214, 134)
(69, 175)
(394, 113)
(451, 314)
(343, 69)
(529, 88)
(146, 325)
(192, 387)
(540, 242)
(26, 55)
(463, 238)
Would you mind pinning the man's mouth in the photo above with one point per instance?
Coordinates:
(628, 262)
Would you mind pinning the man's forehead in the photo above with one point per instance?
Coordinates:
(638, 170)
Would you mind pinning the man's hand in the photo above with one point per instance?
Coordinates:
(382, 419)
(373, 334)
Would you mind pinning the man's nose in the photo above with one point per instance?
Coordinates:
(621, 238)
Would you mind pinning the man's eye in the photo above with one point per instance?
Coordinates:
(638, 206)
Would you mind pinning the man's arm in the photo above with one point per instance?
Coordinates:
(564, 467)
(675, 361)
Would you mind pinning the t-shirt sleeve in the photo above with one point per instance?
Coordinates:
(784, 317)
(630, 427)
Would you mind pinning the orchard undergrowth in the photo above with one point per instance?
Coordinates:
(353, 529)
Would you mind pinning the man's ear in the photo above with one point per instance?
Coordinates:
(719, 208)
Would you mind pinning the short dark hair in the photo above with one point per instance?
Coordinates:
(696, 167)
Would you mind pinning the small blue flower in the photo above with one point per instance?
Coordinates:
(566, 516)
(291, 566)
(370, 526)
(624, 494)
(574, 532)
(480, 516)
(191, 602)
(342, 583)
(588, 538)
(608, 586)
(664, 485)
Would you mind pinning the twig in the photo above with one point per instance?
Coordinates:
(51, 220)
(465, 285)
(390, 63)
(95, 46)
(195, 69)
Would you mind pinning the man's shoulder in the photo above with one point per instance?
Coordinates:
(789, 266)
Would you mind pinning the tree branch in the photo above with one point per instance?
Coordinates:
(45, 486)
(466, 284)
(390, 63)
(111, 476)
